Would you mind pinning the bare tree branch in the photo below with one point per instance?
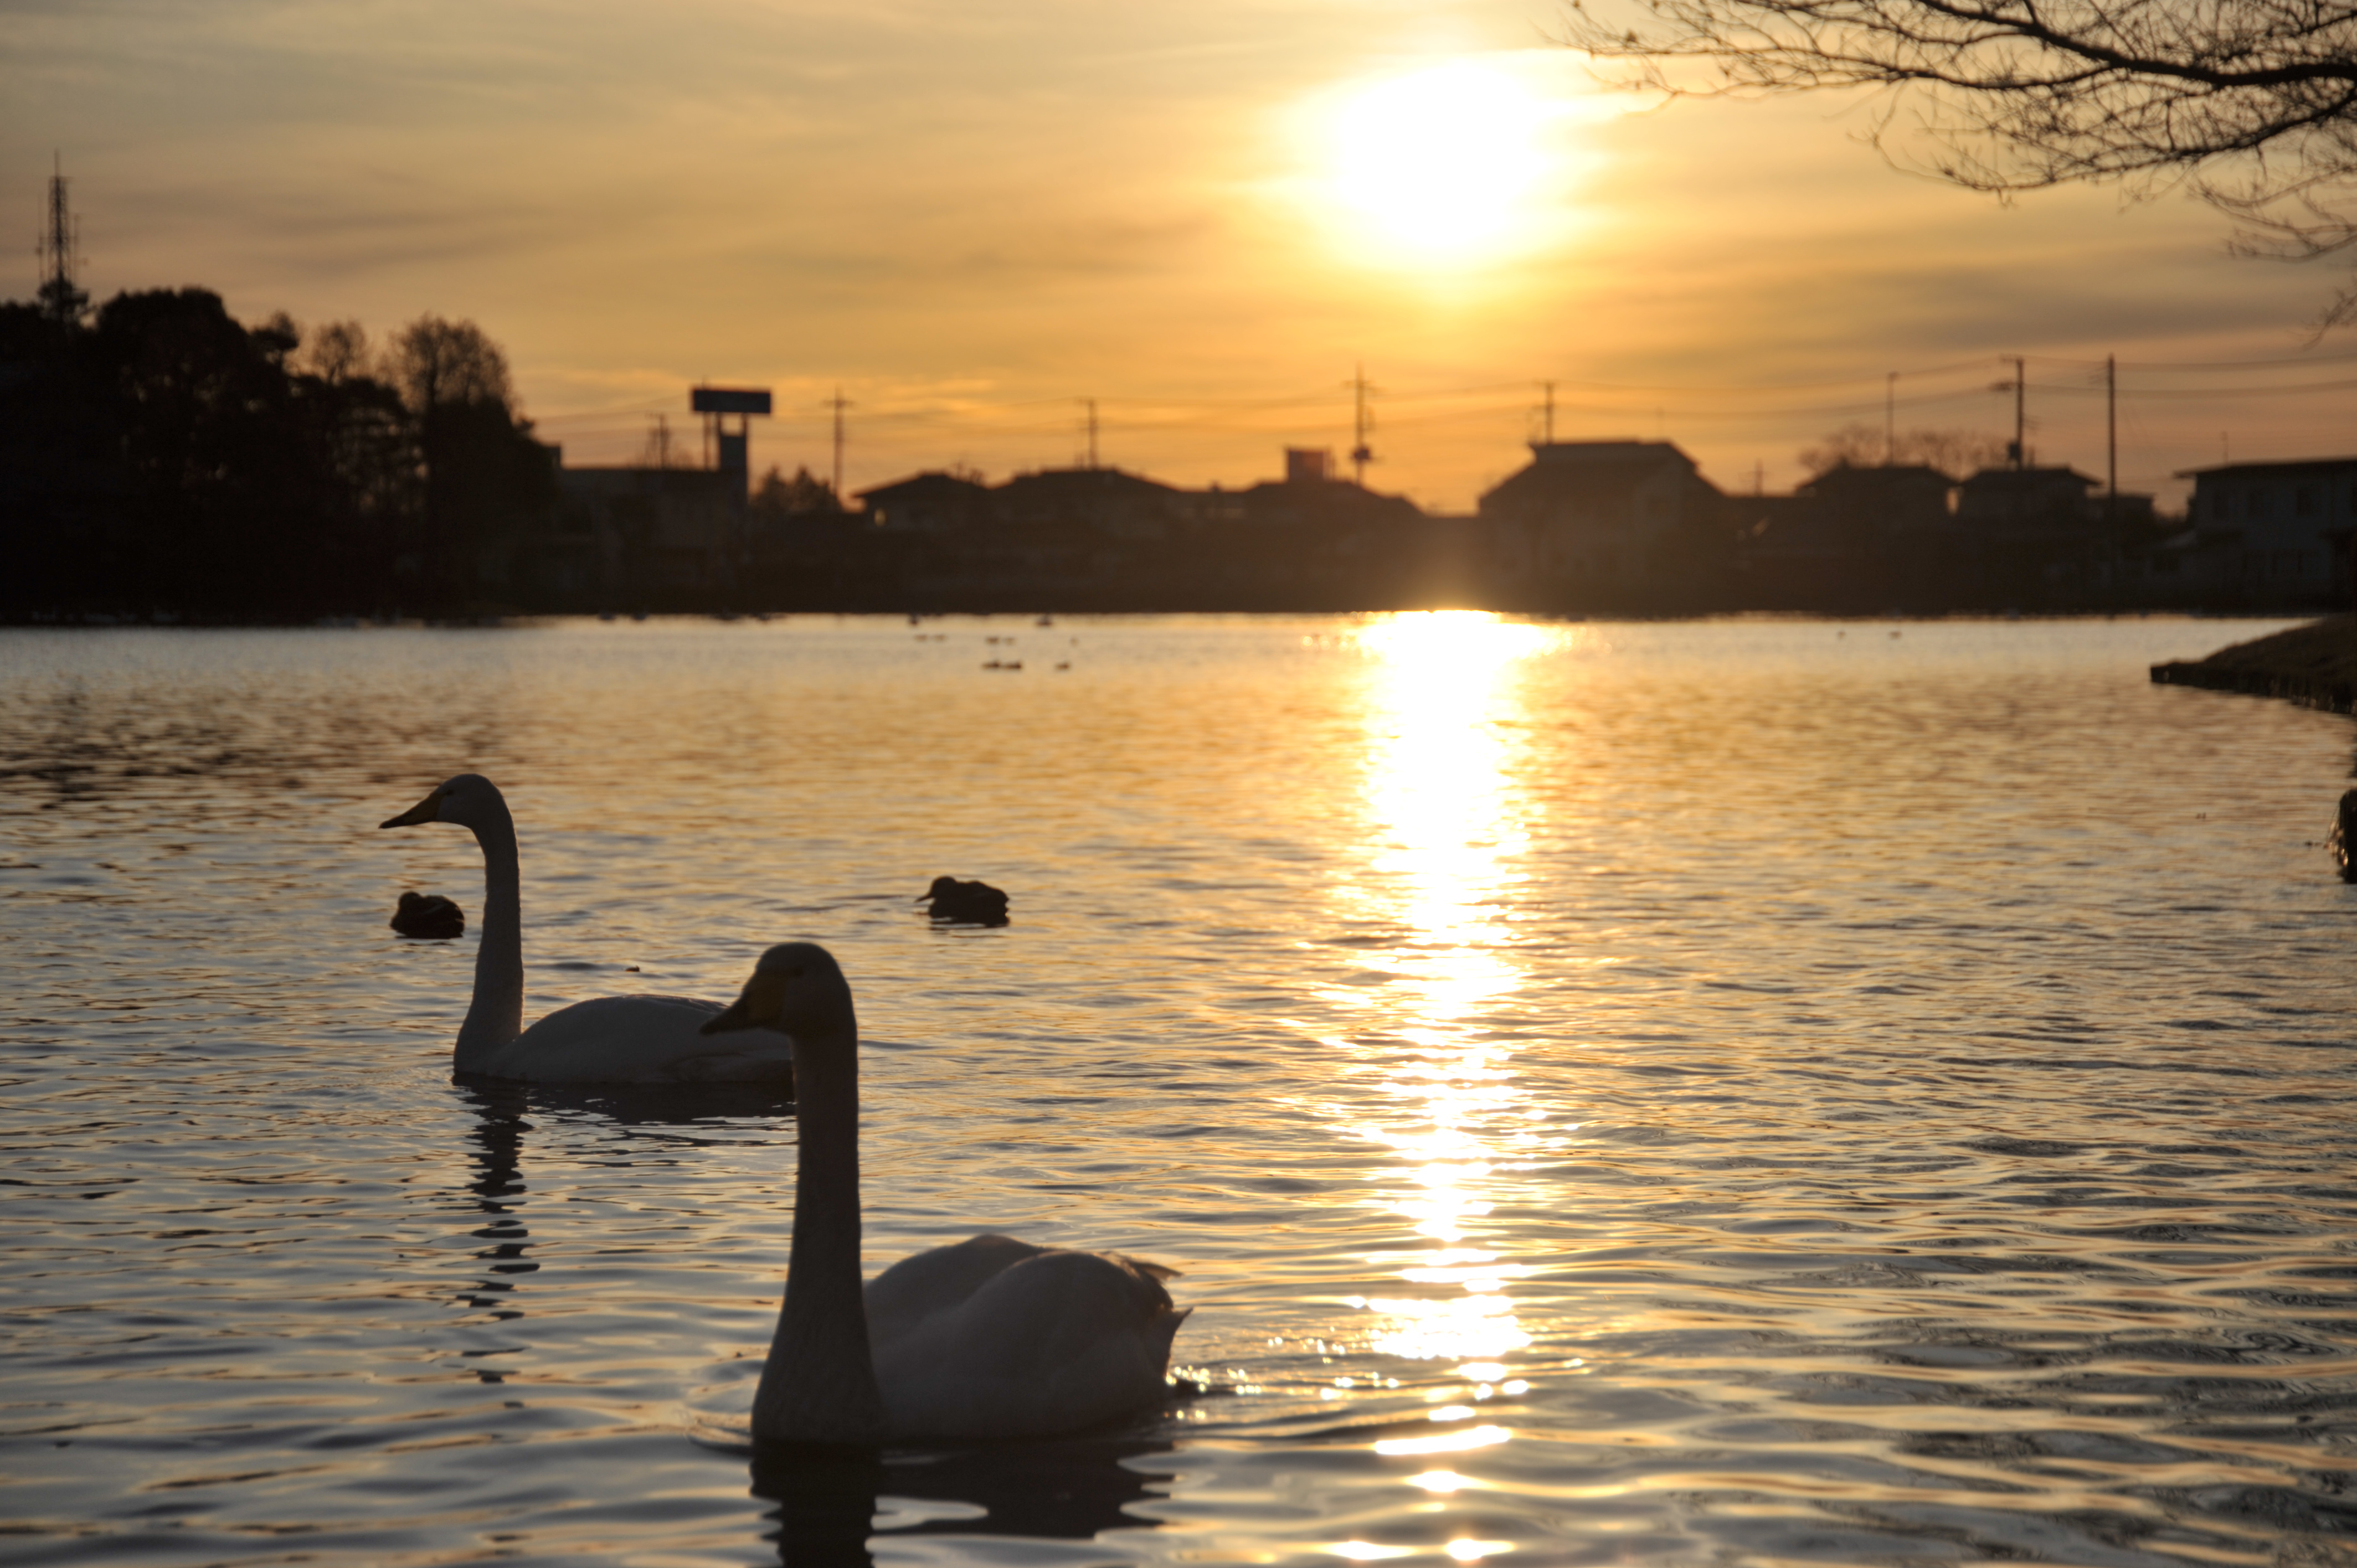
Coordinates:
(2251, 101)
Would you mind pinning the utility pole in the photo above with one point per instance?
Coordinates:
(1362, 422)
(2020, 420)
(659, 440)
(1550, 411)
(60, 300)
(1890, 419)
(1092, 406)
(837, 403)
(2111, 438)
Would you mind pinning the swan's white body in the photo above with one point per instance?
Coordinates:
(611, 1039)
(995, 1337)
(632, 1040)
(990, 1337)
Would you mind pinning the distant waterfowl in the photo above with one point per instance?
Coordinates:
(428, 917)
(965, 903)
(611, 1039)
(989, 1337)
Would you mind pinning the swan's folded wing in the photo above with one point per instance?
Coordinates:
(1060, 1341)
(638, 1039)
(940, 1279)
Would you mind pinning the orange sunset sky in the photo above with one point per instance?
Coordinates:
(1202, 216)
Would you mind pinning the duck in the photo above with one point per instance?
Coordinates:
(609, 1039)
(2341, 841)
(965, 903)
(428, 916)
(988, 1337)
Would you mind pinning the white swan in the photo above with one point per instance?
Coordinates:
(990, 1337)
(612, 1039)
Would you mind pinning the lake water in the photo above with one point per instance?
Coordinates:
(1745, 1092)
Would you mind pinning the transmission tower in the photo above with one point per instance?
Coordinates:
(838, 403)
(1362, 422)
(61, 301)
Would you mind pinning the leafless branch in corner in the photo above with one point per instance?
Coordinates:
(2252, 103)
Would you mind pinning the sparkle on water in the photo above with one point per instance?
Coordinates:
(1737, 1092)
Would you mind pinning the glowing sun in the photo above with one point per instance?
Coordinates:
(1449, 165)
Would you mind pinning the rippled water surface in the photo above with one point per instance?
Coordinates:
(1740, 1093)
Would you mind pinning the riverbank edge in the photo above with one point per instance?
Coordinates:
(2313, 665)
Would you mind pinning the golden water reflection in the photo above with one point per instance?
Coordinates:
(1442, 827)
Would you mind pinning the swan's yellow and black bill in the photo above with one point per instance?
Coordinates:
(757, 1006)
(429, 809)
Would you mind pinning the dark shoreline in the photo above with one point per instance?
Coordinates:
(2313, 665)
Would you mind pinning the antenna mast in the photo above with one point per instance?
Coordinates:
(60, 300)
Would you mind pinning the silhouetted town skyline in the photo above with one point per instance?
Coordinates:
(158, 458)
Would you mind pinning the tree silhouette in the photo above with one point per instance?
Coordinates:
(484, 474)
(438, 363)
(2253, 102)
(338, 352)
(165, 459)
(805, 492)
(1955, 452)
(227, 501)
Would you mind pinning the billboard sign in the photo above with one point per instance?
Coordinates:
(730, 400)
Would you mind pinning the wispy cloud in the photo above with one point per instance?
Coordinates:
(1057, 198)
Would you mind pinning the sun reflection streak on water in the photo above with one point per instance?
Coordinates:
(1438, 802)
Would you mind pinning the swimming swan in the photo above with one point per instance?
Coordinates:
(612, 1039)
(990, 1337)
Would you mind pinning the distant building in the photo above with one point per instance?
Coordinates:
(650, 535)
(1311, 496)
(1604, 522)
(1863, 503)
(2030, 499)
(1106, 500)
(930, 503)
(654, 531)
(2275, 533)
(2041, 538)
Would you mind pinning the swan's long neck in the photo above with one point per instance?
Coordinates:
(496, 1014)
(820, 1383)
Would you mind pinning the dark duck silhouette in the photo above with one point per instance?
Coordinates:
(430, 916)
(965, 903)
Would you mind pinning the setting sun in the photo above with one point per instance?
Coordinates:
(1449, 165)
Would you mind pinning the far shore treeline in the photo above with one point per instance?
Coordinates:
(160, 460)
